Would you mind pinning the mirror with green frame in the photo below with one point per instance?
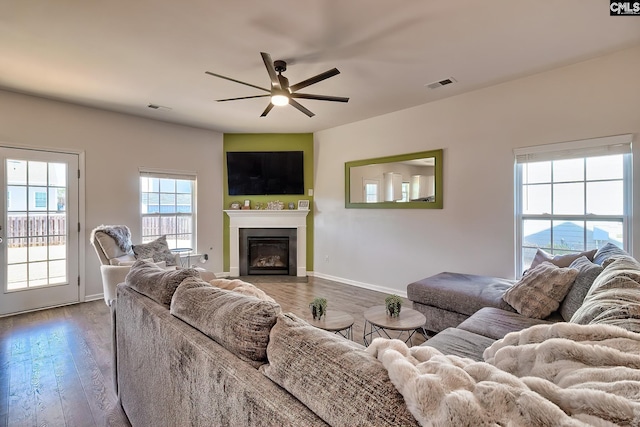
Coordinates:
(406, 181)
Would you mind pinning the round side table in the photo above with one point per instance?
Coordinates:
(335, 321)
(376, 321)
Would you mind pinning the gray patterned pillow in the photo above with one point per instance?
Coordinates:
(239, 323)
(587, 273)
(607, 251)
(538, 294)
(157, 249)
(155, 282)
(334, 377)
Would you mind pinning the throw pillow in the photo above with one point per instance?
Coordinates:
(156, 282)
(620, 272)
(538, 294)
(607, 251)
(560, 260)
(239, 323)
(614, 297)
(241, 287)
(157, 249)
(587, 273)
(320, 369)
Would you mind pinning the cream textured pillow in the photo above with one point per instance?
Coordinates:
(241, 287)
(538, 294)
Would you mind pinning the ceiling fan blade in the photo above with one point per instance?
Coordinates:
(295, 104)
(313, 80)
(319, 97)
(242, 97)
(236, 81)
(266, 110)
(275, 82)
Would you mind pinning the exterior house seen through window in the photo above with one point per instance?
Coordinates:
(572, 197)
(168, 208)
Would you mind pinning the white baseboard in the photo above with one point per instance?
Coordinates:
(93, 297)
(362, 285)
(346, 282)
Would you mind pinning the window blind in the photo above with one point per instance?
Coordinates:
(168, 174)
(610, 145)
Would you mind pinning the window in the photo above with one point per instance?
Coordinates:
(167, 207)
(41, 200)
(371, 191)
(405, 192)
(572, 197)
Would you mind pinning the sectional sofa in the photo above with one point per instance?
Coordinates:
(191, 353)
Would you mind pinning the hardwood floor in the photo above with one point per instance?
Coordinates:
(55, 365)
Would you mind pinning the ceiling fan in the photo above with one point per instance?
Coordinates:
(281, 93)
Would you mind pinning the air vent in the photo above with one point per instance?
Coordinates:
(441, 83)
(158, 107)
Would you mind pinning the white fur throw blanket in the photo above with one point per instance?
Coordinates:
(547, 375)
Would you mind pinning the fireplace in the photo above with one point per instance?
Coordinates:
(240, 219)
(268, 251)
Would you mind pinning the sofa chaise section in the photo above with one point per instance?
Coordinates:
(448, 299)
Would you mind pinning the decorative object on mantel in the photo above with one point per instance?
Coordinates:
(303, 205)
(292, 206)
(234, 205)
(393, 304)
(318, 308)
(276, 205)
(247, 204)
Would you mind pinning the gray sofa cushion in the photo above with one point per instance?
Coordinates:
(155, 282)
(607, 251)
(587, 273)
(495, 323)
(239, 323)
(438, 319)
(460, 343)
(460, 293)
(336, 378)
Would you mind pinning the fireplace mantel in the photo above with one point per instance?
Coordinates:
(267, 219)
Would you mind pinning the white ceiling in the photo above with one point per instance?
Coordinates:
(121, 55)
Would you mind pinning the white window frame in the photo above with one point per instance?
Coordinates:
(177, 175)
(596, 147)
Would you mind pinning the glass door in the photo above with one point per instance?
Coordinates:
(39, 230)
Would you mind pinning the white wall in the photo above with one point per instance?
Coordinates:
(115, 146)
(474, 233)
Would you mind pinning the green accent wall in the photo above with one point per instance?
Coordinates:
(270, 142)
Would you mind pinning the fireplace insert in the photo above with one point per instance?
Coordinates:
(268, 251)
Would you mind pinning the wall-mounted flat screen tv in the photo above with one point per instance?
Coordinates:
(265, 172)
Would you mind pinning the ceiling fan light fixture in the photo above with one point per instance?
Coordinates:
(279, 100)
